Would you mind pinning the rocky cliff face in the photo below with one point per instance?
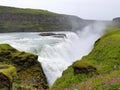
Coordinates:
(20, 70)
(116, 22)
(117, 19)
(27, 20)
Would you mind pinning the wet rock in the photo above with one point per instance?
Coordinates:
(61, 35)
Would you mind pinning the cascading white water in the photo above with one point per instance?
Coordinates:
(56, 53)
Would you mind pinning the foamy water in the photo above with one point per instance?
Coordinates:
(55, 54)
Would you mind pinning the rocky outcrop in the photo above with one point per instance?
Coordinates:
(30, 75)
(30, 20)
(60, 35)
(116, 20)
(7, 77)
(83, 68)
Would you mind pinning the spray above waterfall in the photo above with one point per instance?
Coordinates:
(56, 53)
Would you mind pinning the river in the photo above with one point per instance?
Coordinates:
(55, 53)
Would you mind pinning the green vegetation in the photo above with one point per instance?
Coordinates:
(33, 20)
(104, 67)
(29, 71)
(25, 11)
(7, 76)
(8, 70)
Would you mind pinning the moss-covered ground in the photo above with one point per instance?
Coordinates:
(8, 71)
(104, 58)
(7, 76)
(24, 66)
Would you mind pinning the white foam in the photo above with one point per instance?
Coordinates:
(55, 54)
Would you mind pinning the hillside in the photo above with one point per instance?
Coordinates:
(20, 70)
(99, 70)
(116, 22)
(27, 20)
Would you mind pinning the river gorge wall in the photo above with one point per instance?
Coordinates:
(30, 20)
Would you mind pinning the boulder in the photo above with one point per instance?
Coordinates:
(80, 67)
(60, 35)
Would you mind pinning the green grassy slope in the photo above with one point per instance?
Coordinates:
(99, 70)
(31, 20)
(25, 11)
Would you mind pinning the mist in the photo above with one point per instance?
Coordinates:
(56, 54)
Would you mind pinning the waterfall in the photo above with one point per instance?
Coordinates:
(56, 53)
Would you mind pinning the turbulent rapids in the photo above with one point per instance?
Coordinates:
(56, 52)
